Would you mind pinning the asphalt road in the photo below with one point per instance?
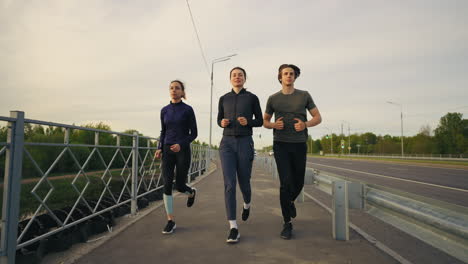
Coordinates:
(445, 184)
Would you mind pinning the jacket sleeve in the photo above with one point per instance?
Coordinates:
(192, 126)
(162, 136)
(220, 111)
(257, 111)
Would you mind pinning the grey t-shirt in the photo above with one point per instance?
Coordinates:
(290, 106)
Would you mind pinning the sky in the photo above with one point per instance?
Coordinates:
(77, 62)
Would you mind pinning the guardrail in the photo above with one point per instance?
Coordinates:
(440, 224)
(129, 179)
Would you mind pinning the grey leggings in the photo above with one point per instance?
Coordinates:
(236, 153)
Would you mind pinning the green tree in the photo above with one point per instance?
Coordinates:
(387, 145)
(326, 143)
(267, 149)
(317, 146)
(310, 144)
(422, 143)
(450, 134)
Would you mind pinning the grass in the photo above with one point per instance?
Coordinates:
(442, 162)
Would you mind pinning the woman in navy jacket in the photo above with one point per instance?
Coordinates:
(178, 130)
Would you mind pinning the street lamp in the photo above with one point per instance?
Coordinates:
(331, 140)
(401, 116)
(221, 59)
(349, 135)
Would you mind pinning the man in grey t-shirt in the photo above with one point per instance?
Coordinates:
(290, 136)
(289, 108)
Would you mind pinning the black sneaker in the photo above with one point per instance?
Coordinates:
(191, 199)
(286, 233)
(245, 213)
(292, 210)
(233, 236)
(169, 227)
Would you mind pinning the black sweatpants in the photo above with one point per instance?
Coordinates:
(291, 163)
(181, 161)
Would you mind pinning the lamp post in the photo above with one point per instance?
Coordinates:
(401, 117)
(349, 135)
(221, 59)
(331, 140)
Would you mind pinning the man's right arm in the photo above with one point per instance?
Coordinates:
(268, 114)
(266, 121)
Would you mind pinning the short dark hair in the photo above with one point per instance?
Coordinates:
(182, 86)
(296, 70)
(238, 68)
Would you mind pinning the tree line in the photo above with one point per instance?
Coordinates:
(450, 137)
(44, 156)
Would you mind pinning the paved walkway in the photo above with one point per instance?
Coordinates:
(202, 230)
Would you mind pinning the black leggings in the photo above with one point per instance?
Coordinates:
(291, 163)
(179, 160)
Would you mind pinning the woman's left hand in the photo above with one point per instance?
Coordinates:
(175, 148)
(242, 120)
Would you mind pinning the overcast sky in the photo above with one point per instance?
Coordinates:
(88, 61)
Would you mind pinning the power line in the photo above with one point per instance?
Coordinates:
(198, 38)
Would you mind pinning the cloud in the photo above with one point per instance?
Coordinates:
(80, 61)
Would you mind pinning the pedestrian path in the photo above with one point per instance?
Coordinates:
(202, 230)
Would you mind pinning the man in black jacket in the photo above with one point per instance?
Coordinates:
(236, 110)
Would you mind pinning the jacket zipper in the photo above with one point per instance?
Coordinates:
(235, 113)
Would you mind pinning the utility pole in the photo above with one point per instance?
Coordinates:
(401, 118)
(342, 138)
(349, 140)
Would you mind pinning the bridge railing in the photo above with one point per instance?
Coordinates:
(61, 186)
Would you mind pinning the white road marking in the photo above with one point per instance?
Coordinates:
(395, 178)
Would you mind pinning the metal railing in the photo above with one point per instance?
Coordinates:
(128, 175)
(440, 224)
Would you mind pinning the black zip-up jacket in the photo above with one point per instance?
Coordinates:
(244, 104)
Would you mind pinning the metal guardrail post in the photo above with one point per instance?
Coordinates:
(340, 211)
(12, 187)
(300, 197)
(134, 174)
(308, 179)
(309, 176)
(355, 195)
